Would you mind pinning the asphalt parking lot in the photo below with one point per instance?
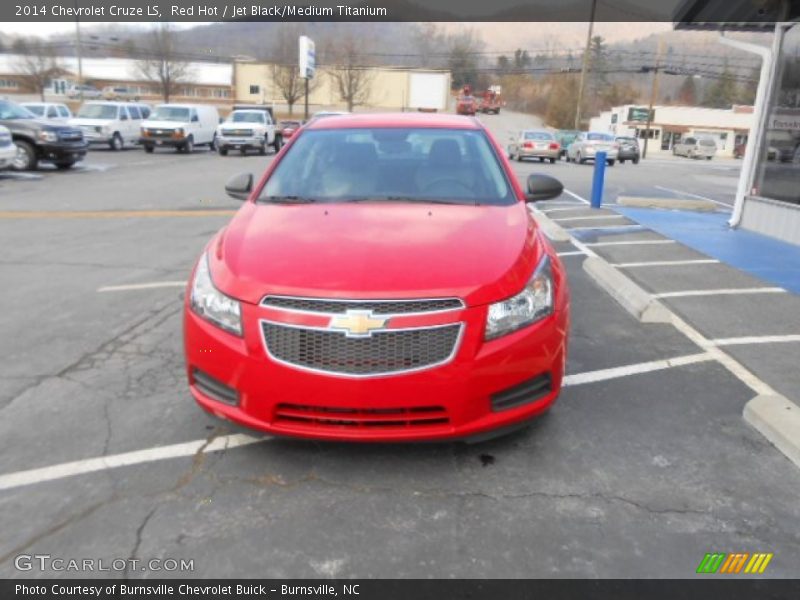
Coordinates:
(643, 465)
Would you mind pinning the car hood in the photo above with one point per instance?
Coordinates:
(32, 125)
(479, 253)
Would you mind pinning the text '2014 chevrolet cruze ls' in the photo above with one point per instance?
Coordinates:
(383, 281)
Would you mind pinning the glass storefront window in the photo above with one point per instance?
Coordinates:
(778, 175)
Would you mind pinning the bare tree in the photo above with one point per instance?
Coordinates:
(285, 69)
(162, 63)
(37, 64)
(351, 80)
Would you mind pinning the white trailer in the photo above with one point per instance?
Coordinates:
(428, 91)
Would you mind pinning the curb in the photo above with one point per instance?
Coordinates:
(629, 295)
(551, 229)
(668, 203)
(778, 420)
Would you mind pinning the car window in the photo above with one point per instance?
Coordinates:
(599, 137)
(98, 111)
(538, 135)
(335, 165)
(36, 109)
(63, 111)
(249, 116)
(9, 110)
(145, 111)
(134, 112)
(52, 113)
(689, 141)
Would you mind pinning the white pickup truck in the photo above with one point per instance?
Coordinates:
(248, 128)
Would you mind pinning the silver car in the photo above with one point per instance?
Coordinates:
(534, 143)
(693, 147)
(589, 143)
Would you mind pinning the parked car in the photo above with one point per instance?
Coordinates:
(565, 137)
(628, 149)
(180, 126)
(693, 147)
(288, 128)
(248, 129)
(40, 141)
(8, 151)
(782, 144)
(534, 143)
(588, 143)
(471, 345)
(119, 93)
(49, 110)
(88, 92)
(112, 124)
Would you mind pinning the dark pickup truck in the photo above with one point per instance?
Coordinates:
(40, 141)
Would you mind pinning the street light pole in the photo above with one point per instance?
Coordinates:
(585, 66)
(78, 53)
(653, 94)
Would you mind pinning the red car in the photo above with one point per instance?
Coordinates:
(288, 128)
(383, 281)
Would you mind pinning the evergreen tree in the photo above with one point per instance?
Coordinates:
(687, 93)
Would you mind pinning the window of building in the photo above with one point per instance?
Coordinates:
(8, 84)
(650, 134)
(778, 175)
(255, 89)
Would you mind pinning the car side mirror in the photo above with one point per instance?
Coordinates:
(195, 119)
(123, 118)
(542, 187)
(239, 186)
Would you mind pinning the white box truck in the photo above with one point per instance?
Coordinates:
(428, 91)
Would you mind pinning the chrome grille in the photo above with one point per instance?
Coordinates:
(244, 132)
(70, 135)
(378, 307)
(383, 353)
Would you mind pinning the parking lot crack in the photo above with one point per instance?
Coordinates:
(139, 533)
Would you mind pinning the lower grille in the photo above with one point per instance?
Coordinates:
(214, 388)
(382, 353)
(419, 416)
(527, 391)
(71, 135)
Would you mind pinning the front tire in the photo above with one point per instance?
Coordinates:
(579, 159)
(212, 146)
(552, 161)
(277, 144)
(188, 146)
(149, 148)
(26, 159)
(611, 162)
(116, 142)
(223, 151)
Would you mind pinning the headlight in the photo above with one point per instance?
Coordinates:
(48, 136)
(532, 304)
(211, 304)
(177, 132)
(105, 129)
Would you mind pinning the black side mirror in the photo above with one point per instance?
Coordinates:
(239, 186)
(123, 117)
(542, 187)
(195, 119)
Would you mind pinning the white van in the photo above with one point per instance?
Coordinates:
(115, 124)
(180, 126)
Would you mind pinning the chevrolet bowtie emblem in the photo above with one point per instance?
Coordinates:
(358, 323)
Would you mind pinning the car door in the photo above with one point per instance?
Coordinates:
(135, 123)
(50, 112)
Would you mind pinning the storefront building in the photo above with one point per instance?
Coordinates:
(768, 195)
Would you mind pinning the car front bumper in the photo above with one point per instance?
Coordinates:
(170, 142)
(64, 151)
(539, 153)
(240, 142)
(458, 395)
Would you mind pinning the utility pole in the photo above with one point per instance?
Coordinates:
(585, 65)
(78, 53)
(653, 94)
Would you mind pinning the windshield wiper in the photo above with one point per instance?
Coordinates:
(288, 199)
(413, 199)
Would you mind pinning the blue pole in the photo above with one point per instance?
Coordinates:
(599, 179)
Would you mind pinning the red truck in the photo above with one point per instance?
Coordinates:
(466, 103)
(491, 100)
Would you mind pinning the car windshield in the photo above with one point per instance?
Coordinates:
(246, 117)
(599, 137)
(36, 109)
(9, 110)
(171, 113)
(98, 111)
(452, 166)
(706, 142)
(538, 135)
(626, 140)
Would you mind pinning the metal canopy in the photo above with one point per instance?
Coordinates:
(735, 15)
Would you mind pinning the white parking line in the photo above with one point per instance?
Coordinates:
(575, 253)
(756, 339)
(666, 263)
(722, 292)
(626, 371)
(697, 196)
(227, 442)
(142, 286)
(574, 206)
(114, 461)
(608, 227)
(631, 243)
(589, 218)
(574, 195)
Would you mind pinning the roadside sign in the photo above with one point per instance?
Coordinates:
(308, 57)
(639, 114)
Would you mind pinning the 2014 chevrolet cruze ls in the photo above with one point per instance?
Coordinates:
(383, 281)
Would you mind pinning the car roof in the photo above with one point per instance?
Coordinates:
(392, 120)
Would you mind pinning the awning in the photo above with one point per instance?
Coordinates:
(735, 15)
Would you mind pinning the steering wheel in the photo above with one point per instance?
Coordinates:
(445, 187)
